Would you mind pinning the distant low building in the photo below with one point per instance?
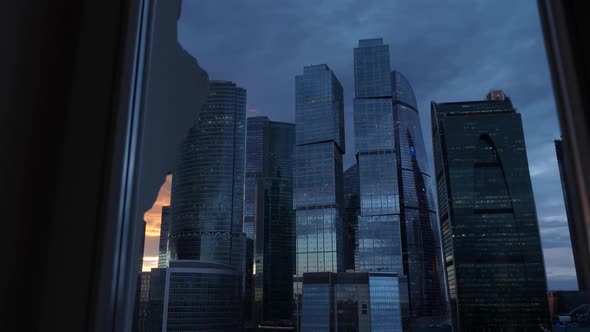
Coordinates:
(570, 309)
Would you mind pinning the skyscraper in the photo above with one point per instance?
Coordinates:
(379, 231)
(397, 224)
(492, 248)
(576, 226)
(163, 257)
(269, 190)
(318, 190)
(208, 184)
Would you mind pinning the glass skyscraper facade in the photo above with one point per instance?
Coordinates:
(379, 239)
(318, 190)
(163, 247)
(421, 242)
(388, 301)
(195, 296)
(270, 154)
(492, 249)
(352, 301)
(318, 186)
(397, 229)
(208, 182)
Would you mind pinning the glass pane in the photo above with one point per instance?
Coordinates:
(354, 165)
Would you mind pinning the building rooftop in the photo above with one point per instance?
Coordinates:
(315, 68)
(471, 107)
(371, 42)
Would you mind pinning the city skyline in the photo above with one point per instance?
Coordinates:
(438, 67)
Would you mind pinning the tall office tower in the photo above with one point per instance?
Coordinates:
(163, 256)
(492, 248)
(208, 183)
(352, 301)
(318, 191)
(397, 224)
(578, 237)
(269, 161)
(379, 231)
(351, 211)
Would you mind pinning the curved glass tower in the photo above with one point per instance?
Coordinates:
(421, 244)
(397, 223)
(208, 183)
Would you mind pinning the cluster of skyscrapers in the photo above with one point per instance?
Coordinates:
(266, 230)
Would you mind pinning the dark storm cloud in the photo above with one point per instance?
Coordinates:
(449, 50)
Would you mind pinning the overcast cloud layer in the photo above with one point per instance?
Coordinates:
(449, 50)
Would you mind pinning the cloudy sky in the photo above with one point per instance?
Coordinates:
(449, 50)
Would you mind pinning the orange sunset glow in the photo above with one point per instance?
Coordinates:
(152, 228)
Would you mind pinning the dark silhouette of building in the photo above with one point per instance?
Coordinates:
(492, 248)
(174, 89)
(576, 225)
